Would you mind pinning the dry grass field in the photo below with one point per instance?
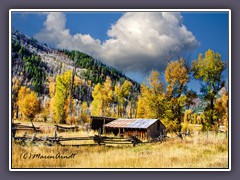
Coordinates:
(197, 151)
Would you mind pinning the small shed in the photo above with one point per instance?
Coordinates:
(143, 128)
(97, 122)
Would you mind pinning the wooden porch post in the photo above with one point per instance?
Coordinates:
(104, 131)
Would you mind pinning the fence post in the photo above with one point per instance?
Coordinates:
(134, 140)
(45, 140)
(34, 128)
(104, 122)
(54, 140)
(99, 139)
(24, 138)
(33, 138)
(13, 130)
(99, 131)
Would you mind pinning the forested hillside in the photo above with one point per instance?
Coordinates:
(38, 67)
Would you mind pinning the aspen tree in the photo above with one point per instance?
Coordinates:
(208, 69)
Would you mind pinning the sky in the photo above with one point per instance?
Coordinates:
(133, 42)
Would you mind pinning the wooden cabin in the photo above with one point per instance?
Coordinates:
(97, 122)
(143, 128)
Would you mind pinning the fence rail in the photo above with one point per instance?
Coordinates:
(19, 127)
(58, 140)
(64, 129)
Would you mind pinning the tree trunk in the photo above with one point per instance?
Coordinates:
(212, 108)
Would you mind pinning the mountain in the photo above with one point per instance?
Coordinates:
(34, 63)
(200, 104)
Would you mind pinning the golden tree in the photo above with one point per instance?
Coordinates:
(28, 102)
(107, 96)
(177, 77)
(209, 70)
(121, 94)
(221, 108)
(62, 92)
(151, 98)
(97, 105)
(102, 98)
(22, 93)
(167, 105)
(84, 112)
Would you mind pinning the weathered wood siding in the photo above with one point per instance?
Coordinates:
(153, 131)
(98, 122)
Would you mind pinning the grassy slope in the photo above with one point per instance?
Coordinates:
(192, 152)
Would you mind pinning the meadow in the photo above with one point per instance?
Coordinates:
(197, 151)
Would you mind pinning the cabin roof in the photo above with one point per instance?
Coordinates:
(102, 118)
(131, 123)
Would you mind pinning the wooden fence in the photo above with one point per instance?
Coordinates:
(19, 127)
(58, 140)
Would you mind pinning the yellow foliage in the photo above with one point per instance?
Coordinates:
(84, 112)
(187, 116)
(151, 98)
(70, 120)
(96, 109)
(62, 92)
(208, 68)
(221, 107)
(121, 93)
(52, 87)
(23, 92)
(155, 83)
(28, 103)
(77, 81)
(45, 112)
(102, 98)
(51, 108)
(68, 108)
(140, 108)
(176, 76)
(21, 95)
(107, 91)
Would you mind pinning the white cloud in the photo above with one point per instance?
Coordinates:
(138, 41)
(55, 33)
